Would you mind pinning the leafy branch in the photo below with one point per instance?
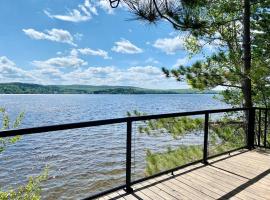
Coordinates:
(7, 124)
(225, 133)
(31, 190)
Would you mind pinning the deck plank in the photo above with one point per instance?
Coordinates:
(226, 179)
(225, 183)
(241, 176)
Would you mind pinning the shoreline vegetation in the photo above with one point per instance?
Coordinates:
(29, 88)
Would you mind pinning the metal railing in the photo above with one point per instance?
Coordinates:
(261, 127)
(251, 140)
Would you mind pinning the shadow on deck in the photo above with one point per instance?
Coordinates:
(241, 175)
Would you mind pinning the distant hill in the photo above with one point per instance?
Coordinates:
(27, 88)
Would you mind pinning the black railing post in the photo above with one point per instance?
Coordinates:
(251, 126)
(128, 157)
(265, 127)
(260, 128)
(206, 131)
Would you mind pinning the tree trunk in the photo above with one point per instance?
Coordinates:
(246, 82)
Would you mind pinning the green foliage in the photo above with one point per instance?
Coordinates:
(157, 162)
(218, 25)
(224, 66)
(192, 45)
(30, 191)
(175, 127)
(225, 133)
(6, 124)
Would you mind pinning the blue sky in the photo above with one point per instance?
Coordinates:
(85, 42)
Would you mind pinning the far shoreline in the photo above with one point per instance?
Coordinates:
(29, 88)
(107, 94)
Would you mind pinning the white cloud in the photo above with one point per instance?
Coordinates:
(181, 61)
(145, 70)
(78, 36)
(92, 75)
(152, 60)
(214, 45)
(48, 72)
(170, 45)
(105, 5)
(126, 47)
(88, 7)
(48, 75)
(173, 33)
(99, 52)
(9, 72)
(84, 12)
(51, 71)
(142, 76)
(70, 61)
(56, 35)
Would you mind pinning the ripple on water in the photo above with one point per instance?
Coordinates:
(84, 161)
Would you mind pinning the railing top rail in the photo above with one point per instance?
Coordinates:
(51, 128)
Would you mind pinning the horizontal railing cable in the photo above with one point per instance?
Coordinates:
(61, 127)
(129, 120)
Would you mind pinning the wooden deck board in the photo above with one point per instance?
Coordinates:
(240, 176)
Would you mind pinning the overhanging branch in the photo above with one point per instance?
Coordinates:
(114, 3)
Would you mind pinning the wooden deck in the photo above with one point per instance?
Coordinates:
(242, 175)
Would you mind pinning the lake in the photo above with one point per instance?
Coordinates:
(84, 161)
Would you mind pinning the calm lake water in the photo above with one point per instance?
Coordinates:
(84, 161)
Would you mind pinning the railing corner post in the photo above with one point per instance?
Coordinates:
(265, 128)
(206, 132)
(128, 188)
(251, 128)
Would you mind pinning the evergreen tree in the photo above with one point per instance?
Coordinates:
(220, 24)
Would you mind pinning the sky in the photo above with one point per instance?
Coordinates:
(86, 42)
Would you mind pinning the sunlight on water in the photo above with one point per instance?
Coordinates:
(84, 161)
